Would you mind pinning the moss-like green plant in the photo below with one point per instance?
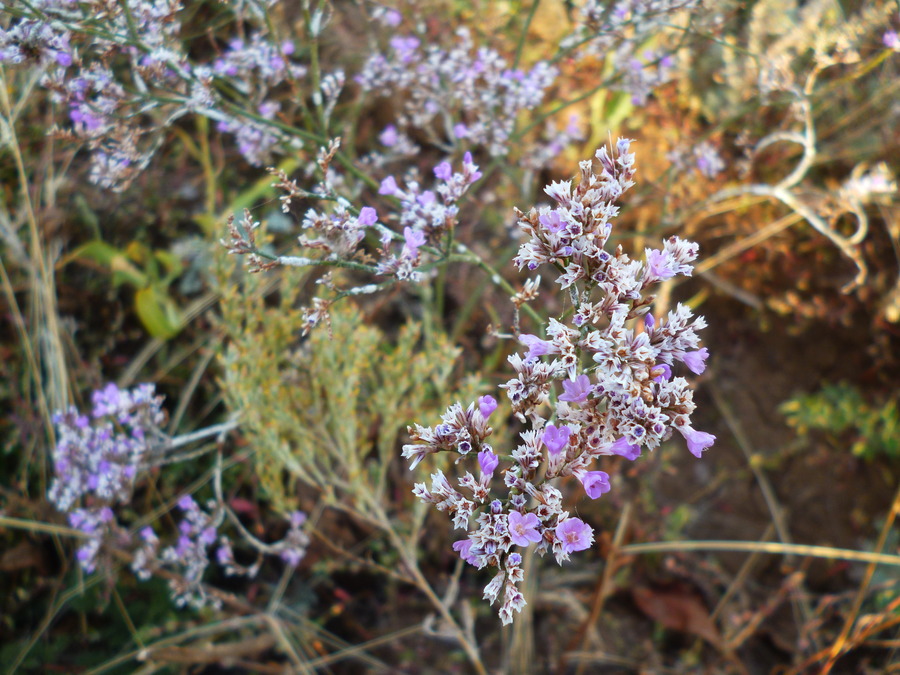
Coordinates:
(840, 409)
(330, 422)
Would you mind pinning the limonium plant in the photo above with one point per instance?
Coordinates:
(604, 381)
(100, 460)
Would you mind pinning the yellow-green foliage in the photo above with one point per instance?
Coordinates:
(327, 411)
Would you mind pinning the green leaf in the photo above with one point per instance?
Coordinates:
(158, 312)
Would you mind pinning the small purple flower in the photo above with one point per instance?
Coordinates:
(470, 168)
(697, 441)
(595, 483)
(536, 346)
(574, 534)
(577, 390)
(666, 373)
(696, 361)
(556, 439)
(523, 528)
(297, 518)
(388, 187)
(659, 264)
(649, 321)
(625, 449)
(891, 40)
(186, 503)
(552, 221)
(488, 462)
(389, 136)
(367, 216)
(464, 547)
(414, 239)
(443, 171)
(487, 405)
(460, 130)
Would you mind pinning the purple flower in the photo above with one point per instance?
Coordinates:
(666, 373)
(460, 130)
(414, 239)
(297, 518)
(470, 168)
(625, 449)
(697, 441)
(464, 547)
(595, 483)
(891, 40)
(696, 361)
(555, 439)
(577, 390)
(523, 528)
(389, 136)
(574, 534)
(186, 503)
(536, 346)
(488, 461)
(659, 265)
(367, 216)
(649, 321)
(487, 405)
(443, 171)
(388, 187)
(552, 221)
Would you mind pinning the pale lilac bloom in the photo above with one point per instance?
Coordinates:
(575, 535)
(697, 441)
(367, 216)
(552, 221)
(388, 187)
(414, 239)
(577, 390)
(471, 168)
(443, 171)
(463, 547)
(556, 439)
(460, 130)
(523, 528)
(536, 346)
(595, 483)
(891, 40)
(649, 322)
(666, 373)
(487, 405)
(186, 503)
(659, 265)
(625, 449)
(696, 360)
(389, 136)
(488, 462)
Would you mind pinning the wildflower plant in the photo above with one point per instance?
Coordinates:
(604, 382)
(100, 459)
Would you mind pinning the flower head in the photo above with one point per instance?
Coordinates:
(556, 439)
(574, 534)
(488, 462)
(523, 528)
(487, 405)
(696, 360)
(576, 390)
(595, 483)
(697, 441)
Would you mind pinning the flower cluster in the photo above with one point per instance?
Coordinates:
(456, 94)
(121, 72)
(425, 215)
(617, 31)
(99, 455)
(99, 458)
(614, 363)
